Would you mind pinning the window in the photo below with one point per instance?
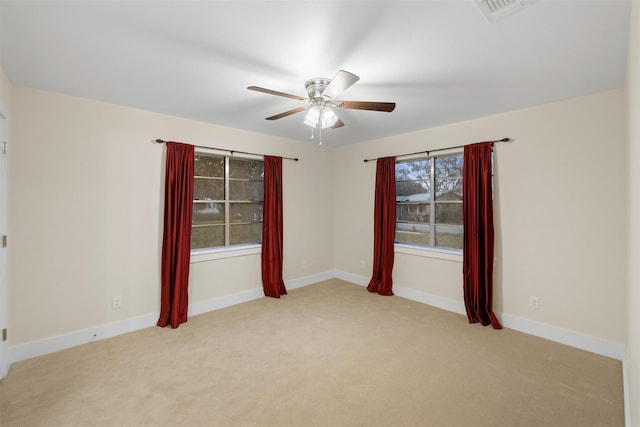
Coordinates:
(429, 198)
(227, 201)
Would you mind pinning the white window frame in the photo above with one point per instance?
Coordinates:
(432, 251)
(227, 251)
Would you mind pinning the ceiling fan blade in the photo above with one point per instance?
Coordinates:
(338, 124)
(372, 106)
(286, 113)
(275, 92)
(341, 82)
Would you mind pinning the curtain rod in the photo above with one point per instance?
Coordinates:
(438, 149)
(161, 141)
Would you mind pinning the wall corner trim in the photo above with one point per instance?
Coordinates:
(625, 388)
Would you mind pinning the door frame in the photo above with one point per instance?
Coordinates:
(4, 175)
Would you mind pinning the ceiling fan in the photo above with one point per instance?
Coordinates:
(322, 93)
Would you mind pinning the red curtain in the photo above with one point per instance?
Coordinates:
(477, 208)
(272, 249)
(384, 224)
(176, 240)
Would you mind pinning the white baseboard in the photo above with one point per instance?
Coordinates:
(309, 280)
(41, 347)
(350, 277)
(408, 293)
(217, 303)
(568, 337)
(61, 342)
(572, 338)
(430, 299)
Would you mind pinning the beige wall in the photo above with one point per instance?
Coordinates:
(560, 212)
(633, 288)
(85, 212)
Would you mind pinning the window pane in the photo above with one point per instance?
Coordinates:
(413, 197)
(208, 166)
(449, 177)
(413, 170)
(413, 191)
(449, 189)
(449, 228)
(412, 181)
(207, 237)
(449, 213)
(412, 234)
(246, 190)
(449, 236)
(413, 212)
(449, 166)
(208, 189)
(246, 169)
(208, 213)
(245, 233)
(246, 212)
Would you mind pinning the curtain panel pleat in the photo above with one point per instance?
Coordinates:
(272, 230)
(384, 232)
(176, 239)
(478, 246)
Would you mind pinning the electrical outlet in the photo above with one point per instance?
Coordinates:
(303, 265)
(116, 301)
(362, 265)
(534, 303)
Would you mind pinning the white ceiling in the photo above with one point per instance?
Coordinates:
(440, 61)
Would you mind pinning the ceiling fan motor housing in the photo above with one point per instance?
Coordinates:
(315, 87)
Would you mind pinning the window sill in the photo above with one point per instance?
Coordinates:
(445, 254)
(202, 255)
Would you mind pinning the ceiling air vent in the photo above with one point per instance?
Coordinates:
(494, 10)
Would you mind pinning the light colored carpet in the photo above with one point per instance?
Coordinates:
(330, 354)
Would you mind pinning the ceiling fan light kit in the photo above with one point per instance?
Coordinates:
(312, 117)
(322, 115)
(328, 117)
(321, 97)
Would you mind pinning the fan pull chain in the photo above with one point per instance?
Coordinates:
(312, 129)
